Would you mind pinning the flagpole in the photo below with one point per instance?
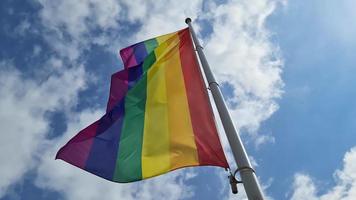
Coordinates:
(247, 174)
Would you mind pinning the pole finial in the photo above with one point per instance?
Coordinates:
(188, 20)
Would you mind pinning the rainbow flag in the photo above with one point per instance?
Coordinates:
(158, 116)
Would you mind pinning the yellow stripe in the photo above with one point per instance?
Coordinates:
(161, 39)
(183, 151)
(168, 139)
(155, 146)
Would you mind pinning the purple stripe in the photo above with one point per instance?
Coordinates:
(140, 52)
(135, 74)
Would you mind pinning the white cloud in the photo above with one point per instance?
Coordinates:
(305, 188)
(78, 18)
(242, 55)
(70, 26)
(159, 17)
(23, 105)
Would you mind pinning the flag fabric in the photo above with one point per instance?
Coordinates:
(158, 116)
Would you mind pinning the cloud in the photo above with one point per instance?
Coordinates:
(304, 187)
(164, 16)
(23, 105)
(79, 18)
(242, 55)
(71, 27)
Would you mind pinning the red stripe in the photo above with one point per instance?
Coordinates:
(208, 143)
(76, 151)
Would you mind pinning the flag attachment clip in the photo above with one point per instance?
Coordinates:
(234, 181)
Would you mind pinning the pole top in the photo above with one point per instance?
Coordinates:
(188, 20)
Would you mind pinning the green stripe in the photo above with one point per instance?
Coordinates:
(151, 57)
(149, 60)
(151, 45)
(128, 163)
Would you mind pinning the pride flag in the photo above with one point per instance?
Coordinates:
(158, 116)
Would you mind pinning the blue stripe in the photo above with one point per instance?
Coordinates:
(103, 153)
(102, 157)
(140, 52)
(135, 74)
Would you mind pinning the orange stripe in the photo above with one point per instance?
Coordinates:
(183, 151)
(156, 138)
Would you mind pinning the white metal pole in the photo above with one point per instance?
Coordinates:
(248, 177)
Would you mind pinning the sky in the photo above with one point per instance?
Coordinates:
(286, 69)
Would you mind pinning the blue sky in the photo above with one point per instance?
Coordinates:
(286, 69)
